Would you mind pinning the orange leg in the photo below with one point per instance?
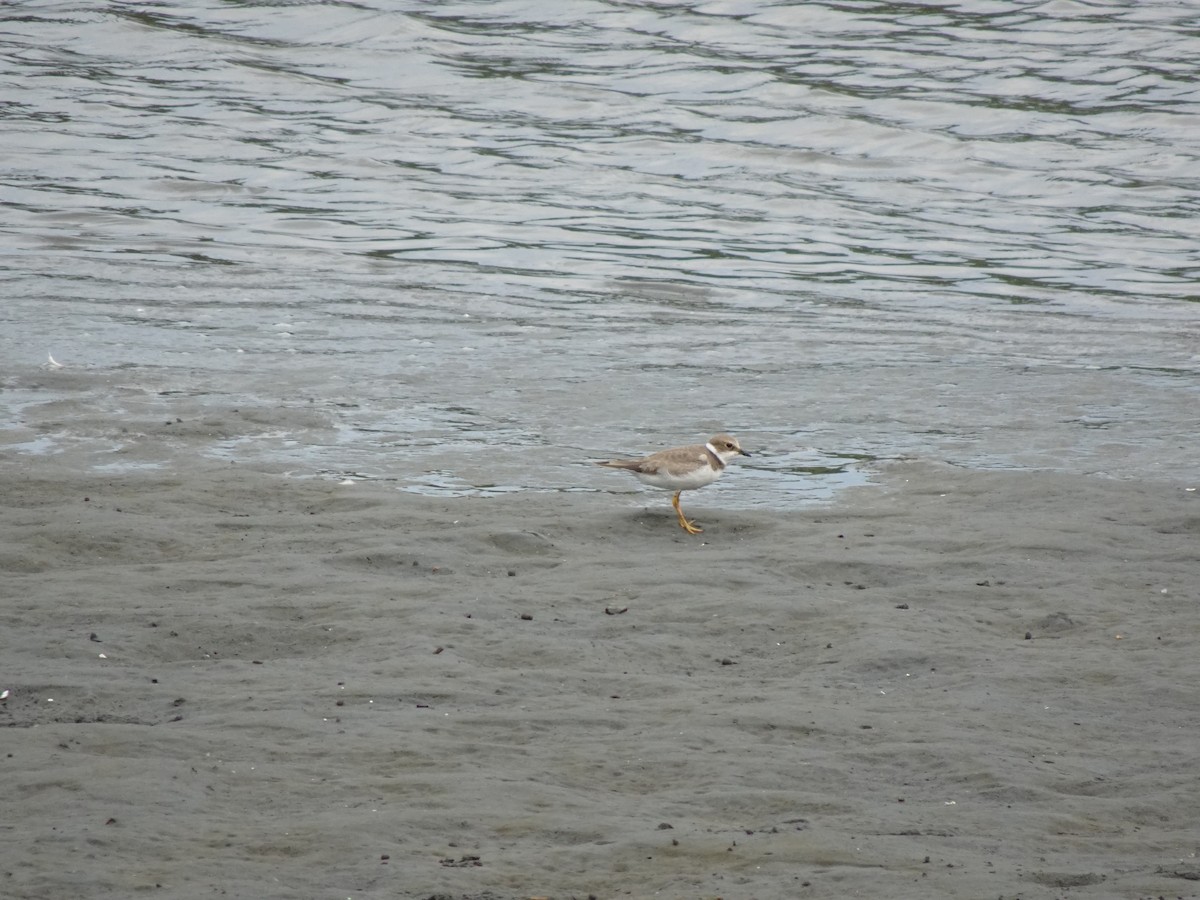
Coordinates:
(689, 527)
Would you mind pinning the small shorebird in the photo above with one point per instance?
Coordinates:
(683, 468)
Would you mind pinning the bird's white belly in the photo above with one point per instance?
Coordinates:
(680, 481)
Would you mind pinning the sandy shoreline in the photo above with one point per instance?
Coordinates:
(959, 684)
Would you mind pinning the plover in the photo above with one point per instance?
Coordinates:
(683, 468)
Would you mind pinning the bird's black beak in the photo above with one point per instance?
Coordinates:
(743, 452)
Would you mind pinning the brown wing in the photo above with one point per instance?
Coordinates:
(649, 467)
(680, 463)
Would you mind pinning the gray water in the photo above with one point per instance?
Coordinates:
(465, 247)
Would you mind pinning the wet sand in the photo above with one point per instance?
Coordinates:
(957, 684)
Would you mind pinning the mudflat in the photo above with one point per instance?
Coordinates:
(956, 683)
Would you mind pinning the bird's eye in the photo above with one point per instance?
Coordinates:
(729, 445)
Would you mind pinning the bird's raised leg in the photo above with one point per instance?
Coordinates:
(687, 526)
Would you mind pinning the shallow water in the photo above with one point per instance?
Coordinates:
(466, 247)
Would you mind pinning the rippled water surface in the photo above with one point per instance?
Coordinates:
(467, 246)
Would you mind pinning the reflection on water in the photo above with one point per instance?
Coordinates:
(470, 244)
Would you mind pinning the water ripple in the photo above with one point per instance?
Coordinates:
(652, 217)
